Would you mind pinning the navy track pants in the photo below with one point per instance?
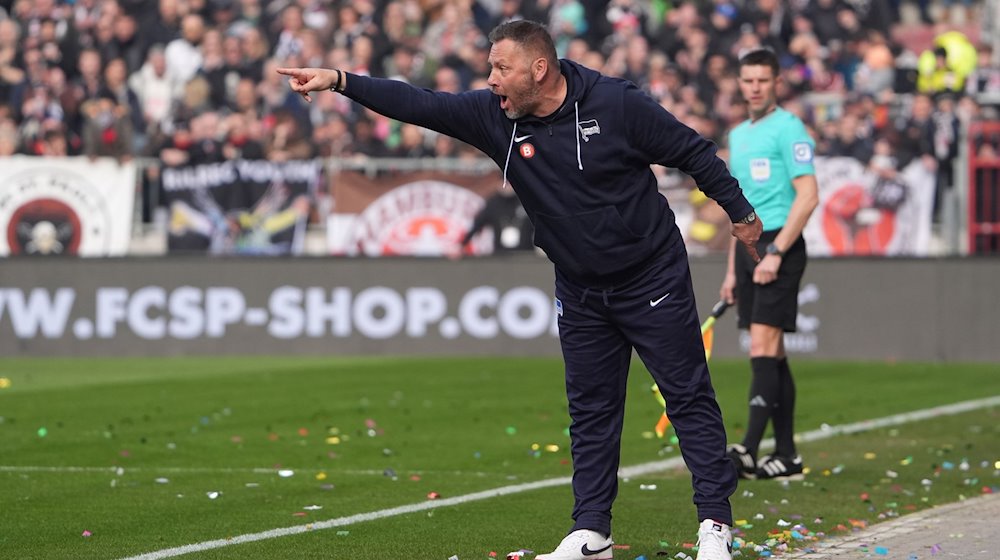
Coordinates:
(655, 314)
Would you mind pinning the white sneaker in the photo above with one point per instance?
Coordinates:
(582, 544)
(715, 542)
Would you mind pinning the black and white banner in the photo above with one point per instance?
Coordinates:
(65, 206)
(240, 207)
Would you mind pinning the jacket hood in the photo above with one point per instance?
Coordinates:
(579, 79)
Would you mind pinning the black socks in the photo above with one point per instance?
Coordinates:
(784, 415)
(772, 397)
(765, 390)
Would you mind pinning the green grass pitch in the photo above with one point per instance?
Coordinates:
(114, 458)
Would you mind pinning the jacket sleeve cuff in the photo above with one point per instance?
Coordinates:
(738, 208)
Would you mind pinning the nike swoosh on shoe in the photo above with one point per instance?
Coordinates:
(586, 551)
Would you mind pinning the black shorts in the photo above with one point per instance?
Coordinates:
(777, 303)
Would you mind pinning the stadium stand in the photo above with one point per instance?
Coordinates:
(177, 82)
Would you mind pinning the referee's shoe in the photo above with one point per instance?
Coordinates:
(743, 460)
(776, 467)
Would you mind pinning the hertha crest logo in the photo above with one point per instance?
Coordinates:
(588, 129)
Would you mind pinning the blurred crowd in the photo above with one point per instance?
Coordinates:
(193, 81)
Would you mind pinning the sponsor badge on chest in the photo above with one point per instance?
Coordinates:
(760, 169)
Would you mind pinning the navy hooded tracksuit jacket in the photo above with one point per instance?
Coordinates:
(582, 175)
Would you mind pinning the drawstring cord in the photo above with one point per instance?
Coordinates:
(604, 296)
(579, 160)
(579, 165)
(510, 149)
(513, 134)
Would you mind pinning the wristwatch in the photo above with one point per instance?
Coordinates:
(773, 249)
(749, 218)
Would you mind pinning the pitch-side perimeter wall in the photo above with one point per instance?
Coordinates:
(898, 309)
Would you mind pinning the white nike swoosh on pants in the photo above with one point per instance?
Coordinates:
(655, 302)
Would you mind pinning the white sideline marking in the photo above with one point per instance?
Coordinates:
(218, 470)
(168, 470)
(635, 470)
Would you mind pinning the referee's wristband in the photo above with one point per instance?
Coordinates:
(336, 87)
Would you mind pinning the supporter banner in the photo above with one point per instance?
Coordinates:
(411, 213)
(848, 308)
(65, 206)
(426, 213)
(240, 207)
(861, 213)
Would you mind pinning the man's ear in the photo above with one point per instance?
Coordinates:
(539, 69)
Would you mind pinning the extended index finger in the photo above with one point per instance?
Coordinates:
(296, 72)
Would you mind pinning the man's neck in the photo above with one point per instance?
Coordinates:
(553, 98)
(764, 113)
